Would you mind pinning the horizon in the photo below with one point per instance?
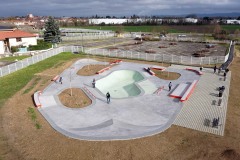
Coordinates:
(73, 8)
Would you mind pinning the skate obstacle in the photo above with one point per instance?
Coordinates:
(183, 91)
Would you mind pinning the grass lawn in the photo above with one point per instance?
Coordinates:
(12, 59)
(169, 28)
(230, 27)
(133, 28)
(12, 83)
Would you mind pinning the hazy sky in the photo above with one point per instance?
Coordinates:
(80, 8)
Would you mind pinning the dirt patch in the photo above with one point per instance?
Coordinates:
(74, 98)
(230, 154)
(91, 69)
(166, 75)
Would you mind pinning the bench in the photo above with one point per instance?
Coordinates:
(158, 68)
(149, 71)
(55, 78)
(189, 91)
(194, 70)
(115, 62)
(103, 70)
(36, 99)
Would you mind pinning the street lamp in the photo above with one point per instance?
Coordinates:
(71, 79)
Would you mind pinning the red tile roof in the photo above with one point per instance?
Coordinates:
(15, 34)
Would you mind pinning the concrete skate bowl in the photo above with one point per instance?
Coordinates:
(121, 84)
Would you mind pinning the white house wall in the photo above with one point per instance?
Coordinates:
(1, 47)
(107, 21)
(25, 41)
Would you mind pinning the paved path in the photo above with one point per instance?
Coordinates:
(200, 105)
(126, 118)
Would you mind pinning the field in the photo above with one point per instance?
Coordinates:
(25, 134)
(169, 28)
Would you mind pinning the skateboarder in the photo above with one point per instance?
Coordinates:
(60, 80)
(215, 68)
(108, 97)
(170, 86)
(93, 83)
(225, 75)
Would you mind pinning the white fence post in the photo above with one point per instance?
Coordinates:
(9, 71)
(1, 72)
(16, 66)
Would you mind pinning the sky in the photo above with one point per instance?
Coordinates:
(82, 8)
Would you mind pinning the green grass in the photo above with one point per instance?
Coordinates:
(230, 27)
(132, 28)
(33, 116)
(35, 82)
(170, 28)
(13, 58)
(14, 82)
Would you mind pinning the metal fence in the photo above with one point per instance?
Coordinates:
(167, 58)
(35, 58)
(85, 36)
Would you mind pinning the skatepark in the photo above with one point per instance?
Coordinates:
(141, 104)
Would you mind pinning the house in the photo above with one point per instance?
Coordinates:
(191, 20)
(15, 37)
(233, 21)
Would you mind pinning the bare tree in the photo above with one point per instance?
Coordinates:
(236, 33)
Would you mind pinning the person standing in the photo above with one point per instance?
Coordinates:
(215, 68)
(201, 68)
(170, 86)
(93, 83)
(108, 97)
(219, 70)
(60, 80)
(225, 75)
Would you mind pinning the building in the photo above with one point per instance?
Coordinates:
(107, 21)
(191, 20)
(14, 37)
(233, 21)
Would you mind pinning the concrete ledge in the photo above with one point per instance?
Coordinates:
(180, 90)
(115, 62)
(103, 70)
(36, 98)
(194, 70)
(189, 91)
(149, 71)
(55, 78)
(158, 68)
(159, 90)
(88, 92)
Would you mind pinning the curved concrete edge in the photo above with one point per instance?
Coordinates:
(155, 129)
(36, 99)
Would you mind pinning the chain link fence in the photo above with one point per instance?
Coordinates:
(86, 36)
(35, 58)
(167, 58)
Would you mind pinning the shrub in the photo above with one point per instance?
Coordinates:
(40, 45)
(14, 49)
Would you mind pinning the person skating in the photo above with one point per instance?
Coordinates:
(108, 97)
(170, 86)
